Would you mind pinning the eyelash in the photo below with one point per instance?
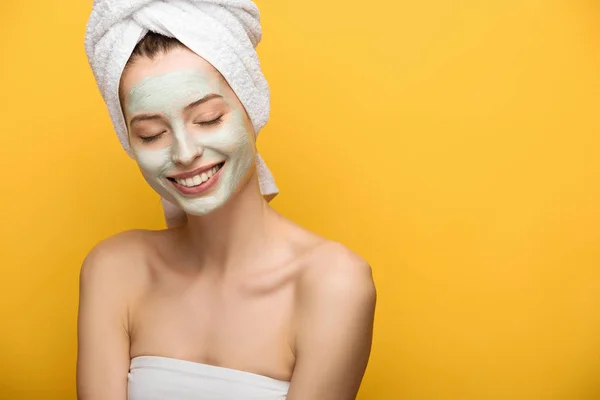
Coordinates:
(148, 139)
(216, 121)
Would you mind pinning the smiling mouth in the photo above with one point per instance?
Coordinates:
(198, 180)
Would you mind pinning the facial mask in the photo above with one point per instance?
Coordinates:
(168, 94)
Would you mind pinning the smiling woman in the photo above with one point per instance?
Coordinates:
(235, 301)
(180, 112)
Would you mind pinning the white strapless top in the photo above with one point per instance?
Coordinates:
(162, 378)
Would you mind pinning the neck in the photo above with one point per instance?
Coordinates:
(234, 235)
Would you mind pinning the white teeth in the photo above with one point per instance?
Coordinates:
(198, 179)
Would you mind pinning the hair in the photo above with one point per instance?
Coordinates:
(153, 45)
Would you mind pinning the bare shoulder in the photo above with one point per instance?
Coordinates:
(114, 252)
(334, 319)
(333, 271)
(110, 278)
(116, 262)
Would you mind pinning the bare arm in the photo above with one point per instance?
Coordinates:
(103, 342)
(336, 304)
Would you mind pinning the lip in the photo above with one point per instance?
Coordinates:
(200, 188)
(195, 172)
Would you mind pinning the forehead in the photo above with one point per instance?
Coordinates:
(179, 61)
(171, 92)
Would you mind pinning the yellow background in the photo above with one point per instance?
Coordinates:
(454, 144)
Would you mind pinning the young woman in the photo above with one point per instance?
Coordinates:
(235, 301)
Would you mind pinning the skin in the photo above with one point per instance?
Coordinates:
(179, 134)
(239, 286)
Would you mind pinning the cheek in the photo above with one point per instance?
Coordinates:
(153, 161)
(233, 138)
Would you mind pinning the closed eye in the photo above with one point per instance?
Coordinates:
(148, 139)
(212, 122)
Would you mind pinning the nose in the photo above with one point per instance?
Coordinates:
(184, 150)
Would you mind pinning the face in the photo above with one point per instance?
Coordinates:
(189, 133)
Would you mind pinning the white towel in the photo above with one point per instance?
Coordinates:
(223, 32)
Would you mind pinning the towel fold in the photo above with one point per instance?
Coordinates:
(223, 32)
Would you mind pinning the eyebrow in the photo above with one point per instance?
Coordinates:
(144, 117)
(151, 117)
(203, 100)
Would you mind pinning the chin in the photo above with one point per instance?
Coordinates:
(203, 205)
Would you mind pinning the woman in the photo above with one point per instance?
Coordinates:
(233, 301)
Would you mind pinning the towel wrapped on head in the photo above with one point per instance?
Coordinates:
(223, 32)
